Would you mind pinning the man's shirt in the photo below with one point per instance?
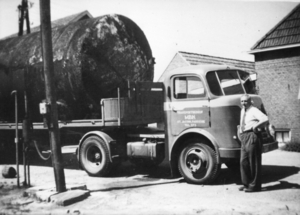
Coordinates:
(252, 117)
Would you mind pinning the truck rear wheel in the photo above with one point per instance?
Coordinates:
(94, 157)
(197, 163)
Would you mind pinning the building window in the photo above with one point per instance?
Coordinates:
(283, 135)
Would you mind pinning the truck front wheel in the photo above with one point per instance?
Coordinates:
(197, 163)
(94, 157)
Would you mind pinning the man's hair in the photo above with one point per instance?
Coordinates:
(248, 98)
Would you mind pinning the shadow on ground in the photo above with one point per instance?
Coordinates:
(270, 173)
(281, 186)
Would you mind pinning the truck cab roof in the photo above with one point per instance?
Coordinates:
(199, 69)
(219, 80)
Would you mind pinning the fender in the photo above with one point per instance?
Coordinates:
(105, 137)
(202, 132)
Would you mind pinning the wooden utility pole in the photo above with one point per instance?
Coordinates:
(17, 135)
(46, 36)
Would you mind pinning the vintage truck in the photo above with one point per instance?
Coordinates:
(193, 114)
(190, 120)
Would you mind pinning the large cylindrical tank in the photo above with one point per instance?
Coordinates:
(92, 58)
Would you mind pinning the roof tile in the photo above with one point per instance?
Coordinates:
(286, 32)
(196, 59)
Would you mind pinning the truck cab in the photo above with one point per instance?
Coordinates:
(202, 113)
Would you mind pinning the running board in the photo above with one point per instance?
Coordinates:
(65, 150)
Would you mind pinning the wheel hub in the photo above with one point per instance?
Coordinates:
(195, 161)
(97, 156)
(94, 156)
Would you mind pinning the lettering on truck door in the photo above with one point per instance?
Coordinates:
(189, 106)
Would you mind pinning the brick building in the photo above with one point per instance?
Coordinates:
(185, 59)
(277, 63)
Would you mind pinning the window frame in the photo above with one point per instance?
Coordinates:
(281, 132)
(215, 72)
(173, 87)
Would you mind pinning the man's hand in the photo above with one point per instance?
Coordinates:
(255, 129)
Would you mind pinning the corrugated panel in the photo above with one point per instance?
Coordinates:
(196, 59)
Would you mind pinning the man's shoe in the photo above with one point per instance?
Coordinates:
(242, 188)
(247, 190)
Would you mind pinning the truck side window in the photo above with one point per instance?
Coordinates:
(249, 85)
(230, 82)
(188, 87)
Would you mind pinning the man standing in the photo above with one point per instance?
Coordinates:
(252, 119)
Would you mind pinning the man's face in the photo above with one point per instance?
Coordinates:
(245, 101)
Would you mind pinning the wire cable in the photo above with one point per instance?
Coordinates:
(40, 154)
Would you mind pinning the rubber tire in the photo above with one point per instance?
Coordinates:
(211, 168)
(9, 172)
(90, 146)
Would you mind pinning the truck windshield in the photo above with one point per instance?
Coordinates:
(229, 82)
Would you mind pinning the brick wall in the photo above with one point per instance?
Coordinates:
(278, 82)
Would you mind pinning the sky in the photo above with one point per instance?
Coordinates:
(219, 28)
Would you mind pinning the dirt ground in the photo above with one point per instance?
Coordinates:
(135, 191)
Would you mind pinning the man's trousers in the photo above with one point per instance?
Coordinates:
(251, 160)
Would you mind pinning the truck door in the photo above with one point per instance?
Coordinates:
(189, 106)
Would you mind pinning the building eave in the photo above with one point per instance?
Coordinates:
(274, 48)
